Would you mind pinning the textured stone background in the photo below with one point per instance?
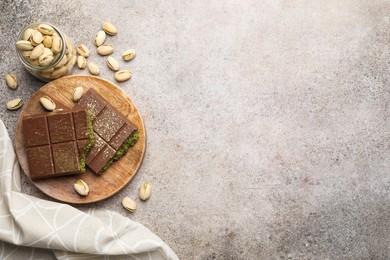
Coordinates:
(268, 121)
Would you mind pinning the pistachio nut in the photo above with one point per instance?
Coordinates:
(123, 75)
(81, 187)
(37, 51)
(62, 62)
(82, 50)
(35, 62)
(45, 59)
(77, 93)
(46, 29)
(11, 81)
(105, 49)
(47, 41)
(50, 70)
(36, 38)
(14, 104)
(129, 204)
(145, 191)
(47, 103)
(112, 63)
(93, 68)
(72, 62)
(81, 62)
(47, 51)
(26, 53)
(109, 28)
(24, 45)
(59, 72)
(46, 75)
(100, 38)
(56, 45)
(27, 34)
(56, 55)
(128, 55)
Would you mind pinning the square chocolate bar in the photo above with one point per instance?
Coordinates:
(114, 134)
(57, 143)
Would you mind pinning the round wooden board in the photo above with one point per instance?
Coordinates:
(118, 175)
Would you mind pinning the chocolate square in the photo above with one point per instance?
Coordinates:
(61, 127)
(65, 158)
(121, 135)
(107, 124)
(35, 131)
(92, 102)
(81, 126)
(102, 159)
(53, 144)
(111, 128)
(97, 146)
(43, 162)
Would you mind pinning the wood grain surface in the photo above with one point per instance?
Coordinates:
(118, 175)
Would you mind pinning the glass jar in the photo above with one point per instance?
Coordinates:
(45, 51)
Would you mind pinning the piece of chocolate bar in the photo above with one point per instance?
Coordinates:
(114, 134)
(57, 142)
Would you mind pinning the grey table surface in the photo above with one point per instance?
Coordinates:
(268, 121)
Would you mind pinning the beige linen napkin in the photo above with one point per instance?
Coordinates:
(32, 228)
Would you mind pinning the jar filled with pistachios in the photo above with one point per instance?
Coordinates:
(45, 51)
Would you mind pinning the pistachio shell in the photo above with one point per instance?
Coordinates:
(46, 75)
(24, 45)
(93, 68)
(14, 104)
(26, 53)
(82, 50)
(62, 62)
(105, 49)
(27, 34)
(45, 60)
(37, 37)
(123, 75)
(56, 45)
(59, 72)
(72, 62)
(129, 204)
(46, 29)
(50, 70)
(47, 41)
(112, 63)
(81, 187)
(11, 81)
(37, 51)
(77, 93)
(100, 38)
(81, 62)
(47, 103)
(128, 55)
(47, 51)
(109, 28)
(145, 191)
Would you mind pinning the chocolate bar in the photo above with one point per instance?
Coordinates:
(114, 134)
(57, 143)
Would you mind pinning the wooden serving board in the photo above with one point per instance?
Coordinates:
(118, 175)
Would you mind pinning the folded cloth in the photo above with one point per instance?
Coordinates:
(32, 228)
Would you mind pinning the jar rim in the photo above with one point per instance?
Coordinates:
(51, 65)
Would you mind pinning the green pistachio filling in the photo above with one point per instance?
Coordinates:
(130, 141)
(89, 144)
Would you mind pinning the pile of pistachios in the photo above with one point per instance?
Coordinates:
(41, 47)
(104, 49)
